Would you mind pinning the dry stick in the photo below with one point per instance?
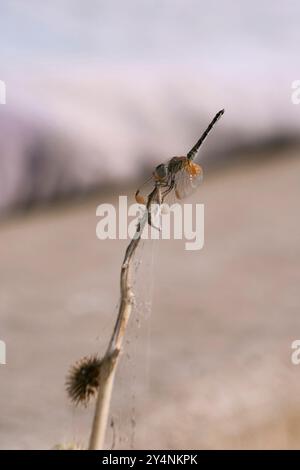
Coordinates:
(110, 360)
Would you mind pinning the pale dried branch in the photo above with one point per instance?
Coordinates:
(110, 360)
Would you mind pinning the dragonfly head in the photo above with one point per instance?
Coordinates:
(161, 172)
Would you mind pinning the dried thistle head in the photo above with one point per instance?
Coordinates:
(83, 379)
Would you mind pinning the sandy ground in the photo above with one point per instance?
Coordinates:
(210, 369)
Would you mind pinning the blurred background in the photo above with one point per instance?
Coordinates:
(97, 93)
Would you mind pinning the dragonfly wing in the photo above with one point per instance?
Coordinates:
(188, 180)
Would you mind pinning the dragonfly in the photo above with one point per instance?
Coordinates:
(180, 175)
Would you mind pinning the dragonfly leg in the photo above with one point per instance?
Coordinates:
(168, 190)
(157, 204)
(151, 223)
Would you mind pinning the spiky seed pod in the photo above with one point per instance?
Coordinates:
(83, 379)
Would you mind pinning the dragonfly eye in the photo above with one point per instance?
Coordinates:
(161, 172)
